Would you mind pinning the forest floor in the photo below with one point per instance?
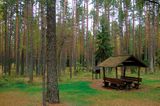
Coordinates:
(80, 91)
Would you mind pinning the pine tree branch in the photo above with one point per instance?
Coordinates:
(152, 1)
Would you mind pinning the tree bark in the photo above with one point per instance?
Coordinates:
(152, 34)
(43, 52)
(120, 19)
(133, 28)
(6, 41)
(17, 38)
(52, 87)
(30, 35)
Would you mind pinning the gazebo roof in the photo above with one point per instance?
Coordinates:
(125, 60)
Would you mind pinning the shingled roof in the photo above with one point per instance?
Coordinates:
(126, 60)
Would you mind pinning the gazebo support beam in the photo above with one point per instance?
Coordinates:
(124, 71)
(138, 76)
(116, 73)
(104, 73)
(138, 72)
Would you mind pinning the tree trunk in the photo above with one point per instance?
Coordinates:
(152, 34)
(6, 41)
(126, 37)
(10, 23)
(17, 39)
(2, 47)
(74, 35)
(52, 87)
(70, 62)
(147, 33)
(24, 43)
(26, 36)
(30, 33)
(83, 38)
(87, 37)
(120, 19)
(133, 29)
(43, 52)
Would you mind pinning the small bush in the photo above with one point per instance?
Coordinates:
(2, 83)
(8, 82)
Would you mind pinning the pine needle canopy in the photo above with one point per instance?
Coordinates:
(119, 61)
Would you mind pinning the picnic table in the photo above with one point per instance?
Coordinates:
(113, 82)
(128, 83)
(136, 81)
(122, 83)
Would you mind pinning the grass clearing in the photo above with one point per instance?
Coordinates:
(79, 92)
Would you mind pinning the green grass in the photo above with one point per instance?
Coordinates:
(7, 84)
(79, 93)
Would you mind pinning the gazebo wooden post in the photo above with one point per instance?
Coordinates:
(104, 73)
(124, 71)
(116, 73)
(138, 74)
(100, 74)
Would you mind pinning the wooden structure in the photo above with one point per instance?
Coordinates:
(123, 62)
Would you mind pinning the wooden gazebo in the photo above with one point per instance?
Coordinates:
(124, 81)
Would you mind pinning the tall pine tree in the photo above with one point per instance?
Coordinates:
(104, 48)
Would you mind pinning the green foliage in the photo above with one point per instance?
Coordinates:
(121, 14)
(104, 49)
(140, 5)
(127, 2)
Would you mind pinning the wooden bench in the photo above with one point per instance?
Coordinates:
(136, 81)
(114, 83)
(132, 78)
(136, 85)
